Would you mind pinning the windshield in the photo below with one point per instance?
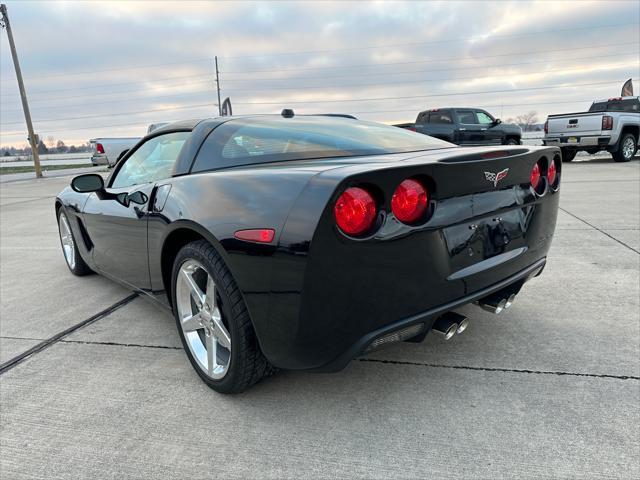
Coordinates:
(269, 139)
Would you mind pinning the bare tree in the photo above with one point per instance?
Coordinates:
(51, 141)
(527, 120)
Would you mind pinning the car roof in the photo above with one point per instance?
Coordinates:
(191, 123)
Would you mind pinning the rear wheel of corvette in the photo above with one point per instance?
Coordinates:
(512, 141)
(213, 321)
(69, 248)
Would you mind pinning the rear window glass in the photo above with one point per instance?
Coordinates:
(261, 140)
(627, 105)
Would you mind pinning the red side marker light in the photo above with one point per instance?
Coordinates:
(409, 201)
(260, 235)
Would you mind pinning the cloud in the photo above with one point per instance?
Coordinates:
(127, 64)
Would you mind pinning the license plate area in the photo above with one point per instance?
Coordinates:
(474, 242)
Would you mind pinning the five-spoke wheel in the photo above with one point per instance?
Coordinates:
(213, 321)
(201, 319)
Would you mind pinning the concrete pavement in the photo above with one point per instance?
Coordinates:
(550, 389)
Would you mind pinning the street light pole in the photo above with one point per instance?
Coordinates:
(23, 94)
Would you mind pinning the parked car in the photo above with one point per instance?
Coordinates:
(465, 126)
(301, 242)
(612, 124)
(107, 151)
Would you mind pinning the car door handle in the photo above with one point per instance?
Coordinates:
(482, 129)
(462, 129)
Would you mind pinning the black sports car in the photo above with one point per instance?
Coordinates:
(300, 242)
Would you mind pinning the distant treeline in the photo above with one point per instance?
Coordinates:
(54, 147)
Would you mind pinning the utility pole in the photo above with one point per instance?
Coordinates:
(23, 94)
(218, 86)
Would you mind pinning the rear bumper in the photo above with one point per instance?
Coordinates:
(99, 159)
(587, 141)
(427, 317)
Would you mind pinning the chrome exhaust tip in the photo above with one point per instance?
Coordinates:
(493, 304)
(462, 326)
(449, 324)
(510, 300)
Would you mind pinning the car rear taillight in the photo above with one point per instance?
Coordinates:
(260, 235)
(413, 129)
(552, 173)
(99, 148)
(546, 127)
(355, 211)
(536, 177)
(409, 201)
(607, 122)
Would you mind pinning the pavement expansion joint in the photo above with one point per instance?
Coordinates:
(600, 230)
(9, 364)
(492, 369)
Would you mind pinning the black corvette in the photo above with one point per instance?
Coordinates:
(301, 242)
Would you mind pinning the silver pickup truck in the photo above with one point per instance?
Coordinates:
(612, 124)
(107, 151)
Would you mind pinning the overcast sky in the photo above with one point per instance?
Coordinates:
(110, 68)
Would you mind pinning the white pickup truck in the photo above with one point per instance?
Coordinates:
(612, 125)
(107, 151)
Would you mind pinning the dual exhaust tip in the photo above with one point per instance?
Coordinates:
(453, 323)
(450, 324)
(497, 302)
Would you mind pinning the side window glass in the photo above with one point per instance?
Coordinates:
(467, 117)
(483, 118)
(441, 117)
(153, 161)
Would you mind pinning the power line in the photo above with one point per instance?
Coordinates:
(436, 42)
(449, 59)
(67, 74)
(285, 102)
(155, 81)
(396, 82)
(117, 114)
(336, 76)
(446, 69)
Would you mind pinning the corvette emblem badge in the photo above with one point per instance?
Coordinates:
(496, 177)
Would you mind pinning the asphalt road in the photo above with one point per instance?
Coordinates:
(549, 389)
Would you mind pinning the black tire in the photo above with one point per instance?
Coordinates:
(568, 154)
(624, 153)
(247, 364)
(512, 141)
(77, 266)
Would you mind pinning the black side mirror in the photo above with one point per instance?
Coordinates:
(90, 182)
(497, 121)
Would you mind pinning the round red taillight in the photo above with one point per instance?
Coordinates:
(535, 176)
(355, 211)
(409, 201)
(552, 173)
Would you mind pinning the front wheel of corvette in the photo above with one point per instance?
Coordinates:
(213, 321)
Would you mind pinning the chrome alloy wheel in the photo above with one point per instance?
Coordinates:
(628, 147)
(201, 319)
(66, 239)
